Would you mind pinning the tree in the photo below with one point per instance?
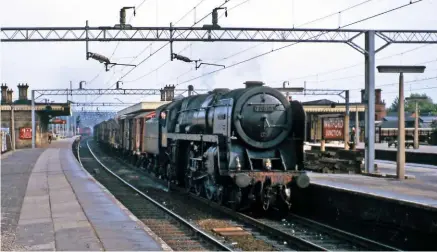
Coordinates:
(394, 106)
(425, 106)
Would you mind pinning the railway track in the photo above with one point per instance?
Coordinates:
(304, 233)
(292, 232)
(177, 232)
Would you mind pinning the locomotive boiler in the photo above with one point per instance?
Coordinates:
(242, 147)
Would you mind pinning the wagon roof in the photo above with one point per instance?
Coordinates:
(112, 122)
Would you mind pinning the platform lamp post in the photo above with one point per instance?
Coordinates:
(416, 119)
(400, 164)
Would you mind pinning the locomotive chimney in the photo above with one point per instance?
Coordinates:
(190, 90)
(4, 93)
(250, 84)
(22, 92)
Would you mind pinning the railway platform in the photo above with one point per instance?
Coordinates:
(424, 155)
(419, 191)
(379, 208)
(431, 149)
(49, 202)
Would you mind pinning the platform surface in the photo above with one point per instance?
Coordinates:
(49, 202)
(384, 146)
(422, 190)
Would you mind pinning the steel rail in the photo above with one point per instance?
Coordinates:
(371, 244)
(302, 244)
(169, 212)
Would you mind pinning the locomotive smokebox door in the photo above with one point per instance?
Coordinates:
(163, 123)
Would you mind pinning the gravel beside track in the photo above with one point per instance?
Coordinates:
(176, 234)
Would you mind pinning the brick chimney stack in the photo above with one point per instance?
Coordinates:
(362, 95)
(378, 99)
(9, 96)
(4, 88)
(170, 94)
(22, 92)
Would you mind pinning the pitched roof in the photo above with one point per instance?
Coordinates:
(319, 102)
(428, 119)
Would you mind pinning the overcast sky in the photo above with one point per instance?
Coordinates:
(54, 65)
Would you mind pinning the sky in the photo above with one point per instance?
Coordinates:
(319, 65)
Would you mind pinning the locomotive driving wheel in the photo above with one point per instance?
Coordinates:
(220, 195)
(197, 188)
(188, 181)
(235, 198)
(210, 189)
(265, 195)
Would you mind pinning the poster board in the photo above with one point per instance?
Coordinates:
(25, 133)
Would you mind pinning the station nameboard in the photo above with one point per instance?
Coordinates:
(25, 133)
(333, 128)
(58, 121)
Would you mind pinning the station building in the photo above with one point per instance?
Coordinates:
(317, 110)
(16, 116)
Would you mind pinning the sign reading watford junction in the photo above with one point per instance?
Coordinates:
(333, 128)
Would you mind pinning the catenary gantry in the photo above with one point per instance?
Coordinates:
(211, 33)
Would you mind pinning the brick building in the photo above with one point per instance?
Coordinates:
(318, 109)
(19, 113)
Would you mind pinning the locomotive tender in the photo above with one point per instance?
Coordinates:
(242, 147)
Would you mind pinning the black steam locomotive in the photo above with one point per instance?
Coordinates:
(241, 147)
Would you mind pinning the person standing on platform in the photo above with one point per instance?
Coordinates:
(352, 139)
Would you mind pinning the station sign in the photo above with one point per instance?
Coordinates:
(58, 121)
(25, 133)
(333, 128)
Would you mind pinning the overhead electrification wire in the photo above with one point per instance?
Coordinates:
(396, 83)
(167, 43)
(225, 2)
(118, 43)
(335, 13)
(414, 89)
(156, 69)
(299, 26)
(286, 46)
(351, 66)
(165, 63)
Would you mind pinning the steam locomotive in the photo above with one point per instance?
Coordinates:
(241, 147)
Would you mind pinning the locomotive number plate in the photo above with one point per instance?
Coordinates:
(264, 108)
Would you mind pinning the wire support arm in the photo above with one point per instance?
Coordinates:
(209, 64)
